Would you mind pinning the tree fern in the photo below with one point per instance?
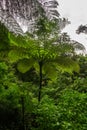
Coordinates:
(43, 52)
(47, 50)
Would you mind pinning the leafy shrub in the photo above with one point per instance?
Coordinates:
(72, 108)
(46, 115)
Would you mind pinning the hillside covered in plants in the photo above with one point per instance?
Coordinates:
(43, 78)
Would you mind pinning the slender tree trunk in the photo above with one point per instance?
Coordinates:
(40, 82)
(23, 118)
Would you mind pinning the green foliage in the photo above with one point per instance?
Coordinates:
(72, 109)
(3, 69)
(80, 84)
(68, 64)
(11, 93)
(25, 65)
(83, 65)
(43, 47)
(4, 42)
(68, 113)
(3, 35)
(45, 27)
(38, 53)
(9, 97)
(47, 115)
(63, 105)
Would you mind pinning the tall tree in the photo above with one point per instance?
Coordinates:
(42, 51)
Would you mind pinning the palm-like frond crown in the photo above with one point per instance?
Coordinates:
(28, 51)
(18, 13)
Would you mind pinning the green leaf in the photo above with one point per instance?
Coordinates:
(49, 69)
(17, 54)
(25, 65)
(67, 64)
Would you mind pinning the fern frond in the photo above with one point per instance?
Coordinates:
(65, 40)
(15, 14)
(50, 7)
(16, 54)
(24, 65)
(10, 22)
(67, 64)
(49, 70)
(77, 45)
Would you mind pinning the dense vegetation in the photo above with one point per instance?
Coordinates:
(43, 82)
